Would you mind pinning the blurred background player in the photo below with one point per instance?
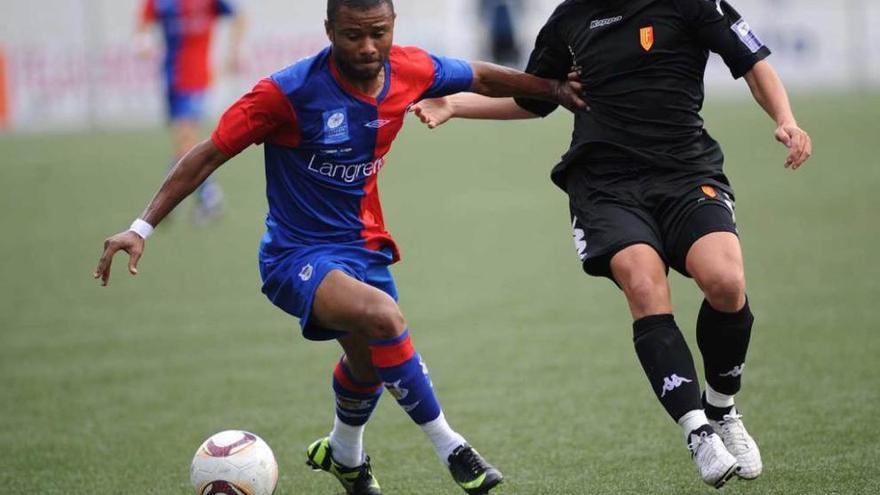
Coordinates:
(187, 28)
(500, 21)
(647, 191)
(328, 123)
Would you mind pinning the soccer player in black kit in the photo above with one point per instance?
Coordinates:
(647, 191)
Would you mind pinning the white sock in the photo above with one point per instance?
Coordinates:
(347, 443)
(691, 421)
(445, 440)
(717, 399)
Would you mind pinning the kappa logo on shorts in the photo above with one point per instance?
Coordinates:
(671, 383)
(306, 273)
(580, 240)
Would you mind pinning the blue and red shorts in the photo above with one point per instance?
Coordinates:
(291, 278)
(186, 105)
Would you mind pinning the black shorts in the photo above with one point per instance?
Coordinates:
(619, 205)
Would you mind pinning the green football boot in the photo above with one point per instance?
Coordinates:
(356, 481)
(472, 473)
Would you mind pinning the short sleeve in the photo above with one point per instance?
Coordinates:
(550, 59)
(254, 118)
(721, 29)
(451, 75)
(225, 7)
(148, 12)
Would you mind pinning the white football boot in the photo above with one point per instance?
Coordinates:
(715, 464)
(739, 443)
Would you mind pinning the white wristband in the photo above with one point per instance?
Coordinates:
(141, 228)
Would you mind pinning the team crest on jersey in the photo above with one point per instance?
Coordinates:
(646, 35)
(336, 126)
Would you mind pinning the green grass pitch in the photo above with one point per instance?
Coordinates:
(109, 391)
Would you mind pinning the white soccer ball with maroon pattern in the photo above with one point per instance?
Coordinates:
(234, 463)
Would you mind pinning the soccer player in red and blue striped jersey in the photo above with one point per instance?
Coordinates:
(187, 28)
(328, 123)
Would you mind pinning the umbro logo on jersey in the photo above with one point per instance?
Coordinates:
(605, 22)
(377, 124)
(671, 383)
(736, 372)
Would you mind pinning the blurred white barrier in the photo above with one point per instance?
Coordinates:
(70, 63)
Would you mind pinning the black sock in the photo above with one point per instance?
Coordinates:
(668, 362)
(715, 413)
(724, 340)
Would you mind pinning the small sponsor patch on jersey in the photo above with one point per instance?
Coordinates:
(336, 126)
(605, 22)
(744, 31)
(646, 35)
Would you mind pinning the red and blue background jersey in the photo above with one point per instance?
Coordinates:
(326, 142)
(187, 27)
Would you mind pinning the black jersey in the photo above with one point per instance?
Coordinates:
(642, 63)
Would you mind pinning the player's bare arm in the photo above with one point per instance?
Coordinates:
(497, 81)
(184, 178)
(769, 92)
(437, 111)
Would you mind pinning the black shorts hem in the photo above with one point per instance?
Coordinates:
(599, 265)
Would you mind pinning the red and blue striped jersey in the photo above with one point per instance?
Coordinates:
(326, 142)
(187, 27)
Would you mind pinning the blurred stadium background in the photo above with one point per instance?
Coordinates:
(110, 391)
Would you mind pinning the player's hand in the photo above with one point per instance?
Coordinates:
(129, 242)
(798, 142)
(434, 112)
(570, 93)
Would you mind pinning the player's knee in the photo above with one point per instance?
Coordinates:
(645, 293)
(725, 290)
(384, 320)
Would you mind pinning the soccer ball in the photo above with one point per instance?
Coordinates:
(234, 463)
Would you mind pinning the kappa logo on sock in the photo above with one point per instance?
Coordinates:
(671, 383)
(736, 372)
(396, 390)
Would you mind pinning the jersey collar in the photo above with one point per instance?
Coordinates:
(360, 95)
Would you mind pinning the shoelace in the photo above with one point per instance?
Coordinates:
(473, 462)
(696, 442)
(733, 430)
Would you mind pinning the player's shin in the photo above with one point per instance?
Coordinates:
(669, 365)
(406, 378)
(355, 403)
(723, 339)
